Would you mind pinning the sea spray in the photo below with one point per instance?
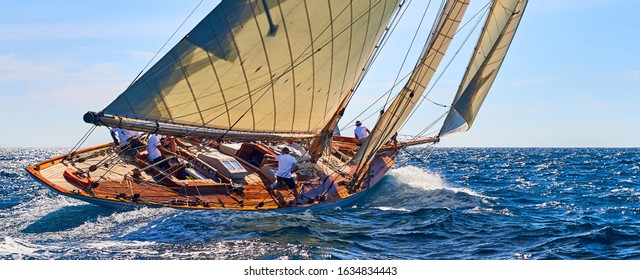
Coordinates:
(410, 188)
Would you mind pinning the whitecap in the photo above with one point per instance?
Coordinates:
(17, 248)
(413, 188)
(426, 180)
(385, 208)
(483, 210)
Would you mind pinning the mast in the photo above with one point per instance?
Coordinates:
(445, 27)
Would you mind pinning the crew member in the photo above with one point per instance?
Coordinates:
(361, 132)
(153, 152)
(286, 165)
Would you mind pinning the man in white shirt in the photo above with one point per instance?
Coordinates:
(121, 136)
(153, 153)
(361, 132)
(286, 165)
(127, 140)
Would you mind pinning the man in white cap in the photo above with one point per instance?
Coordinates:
(361, 132)
(286, 165)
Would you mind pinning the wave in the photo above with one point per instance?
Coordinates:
(411, 188)
(9, 174)
(17, 249)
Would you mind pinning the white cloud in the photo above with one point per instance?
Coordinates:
(90, 94)
(60, 82)
(57, 31)
(528, 82)
(14, 70)
(140, 54)
(632, 76)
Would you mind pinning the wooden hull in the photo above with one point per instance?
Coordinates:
(108, 176)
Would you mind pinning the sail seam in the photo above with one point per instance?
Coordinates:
(326, 105)
(266, 56)
(313, 65)
(476, 82)
(164, 102)
(293, 72)
(186, 79)
(346, 69)
(244, 73)
(390, 28)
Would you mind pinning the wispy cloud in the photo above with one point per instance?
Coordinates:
(65, 31)
(632, 76)
(528, 82)
(140, 54)
(90, 94)
(15, 70)
(57, 82)
(592, 104)
(579, 5)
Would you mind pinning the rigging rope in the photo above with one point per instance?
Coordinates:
(397, 81)
(165, 43)
(383, 42)
(426, 94)
(363, 165)
(415, 35)
(82, 140)
(350, 124)
(424, 131)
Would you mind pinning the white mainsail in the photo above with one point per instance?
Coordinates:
(265, 66)
(488, 56)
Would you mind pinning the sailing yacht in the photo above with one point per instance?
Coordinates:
(257, 77)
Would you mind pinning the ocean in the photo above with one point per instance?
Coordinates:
(451, 204)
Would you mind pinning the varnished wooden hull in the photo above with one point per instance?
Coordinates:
(107, 177)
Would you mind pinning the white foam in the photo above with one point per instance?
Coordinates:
(415, 188)
(20, 249)
(103, 245)
(426, 180)
(481, 210)
(550, 204)
(385, 208)
(134, 220)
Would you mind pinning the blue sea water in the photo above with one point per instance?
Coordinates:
(459, 204)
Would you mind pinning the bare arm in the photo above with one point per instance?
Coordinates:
(115, 139)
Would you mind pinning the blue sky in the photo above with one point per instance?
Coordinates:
(571, 77)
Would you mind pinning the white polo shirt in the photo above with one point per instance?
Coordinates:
(124, 135)
(361, 132)
(285, 163)
(152, 147)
